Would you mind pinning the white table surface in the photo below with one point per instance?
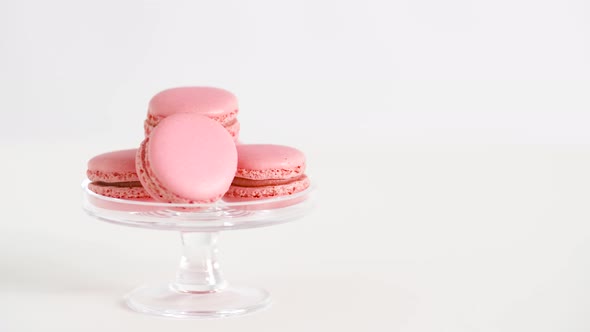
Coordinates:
(404, 238)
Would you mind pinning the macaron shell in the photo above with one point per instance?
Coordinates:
(244, 193)
(119, 192)
(188, 158)
(115, 166)
(126, 205)
(151, 184)
(233, 128)
(209, 101)
(224, 119)
(268, 161)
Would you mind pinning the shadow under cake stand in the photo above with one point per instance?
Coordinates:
(199, 290)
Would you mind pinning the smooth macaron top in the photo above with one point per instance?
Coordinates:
(113, 166)
(188, 158)
(212, 102)
(268, 161)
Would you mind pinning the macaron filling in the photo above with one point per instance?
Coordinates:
(128, 184)
(269, 191)
(242, 182)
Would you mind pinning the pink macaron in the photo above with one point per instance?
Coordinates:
(266, 171)
(187, 158)
(217, 104)
(113, 174)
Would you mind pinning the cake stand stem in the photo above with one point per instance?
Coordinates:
(199, 270)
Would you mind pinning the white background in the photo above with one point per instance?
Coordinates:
(449, 140)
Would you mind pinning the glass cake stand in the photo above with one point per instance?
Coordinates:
(199, 289)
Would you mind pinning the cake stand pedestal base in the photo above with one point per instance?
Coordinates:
(165, 300)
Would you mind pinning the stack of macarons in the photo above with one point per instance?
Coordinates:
(190, 154)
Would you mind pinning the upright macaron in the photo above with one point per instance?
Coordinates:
(214, 103)
(113, 174)
(266, 171)
(187, 158)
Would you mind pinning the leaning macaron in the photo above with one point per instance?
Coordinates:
(214, 103)
(187, 158)
(113, 174)
(266, 171)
